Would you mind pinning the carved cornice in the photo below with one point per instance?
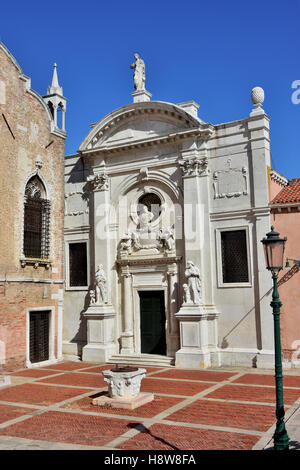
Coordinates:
(149, 261)
(203, 133)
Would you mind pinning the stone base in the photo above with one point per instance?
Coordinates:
(125, 403)
(192, 359)
(97, 353)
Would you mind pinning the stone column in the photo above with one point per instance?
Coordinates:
(173, 330)
(127, 335)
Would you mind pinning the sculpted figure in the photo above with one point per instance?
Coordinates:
(192, 274)
(92, 297)
(126, 241)
(166, 236)
(100, 285)
(187, 296)
(139, 76)
(145, 218)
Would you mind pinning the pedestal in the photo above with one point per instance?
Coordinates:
(101, 342)
(140, 96)
(124, 390)
(198, 336)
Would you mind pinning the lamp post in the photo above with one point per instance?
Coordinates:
(274, 249)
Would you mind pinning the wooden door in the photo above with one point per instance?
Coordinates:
(153, 333)
(39, 336)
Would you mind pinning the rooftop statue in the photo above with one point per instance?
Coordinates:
(139, 76)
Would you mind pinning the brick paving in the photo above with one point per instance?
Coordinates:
(192, 409)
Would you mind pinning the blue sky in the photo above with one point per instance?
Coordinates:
(211, 52)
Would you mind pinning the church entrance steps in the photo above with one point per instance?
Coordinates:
(141, 360)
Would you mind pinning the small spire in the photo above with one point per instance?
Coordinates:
(55, 89)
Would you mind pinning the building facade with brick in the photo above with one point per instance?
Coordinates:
(32, 151)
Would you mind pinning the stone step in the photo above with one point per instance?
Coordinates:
(141, 360)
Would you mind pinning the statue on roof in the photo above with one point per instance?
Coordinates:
(139, 76)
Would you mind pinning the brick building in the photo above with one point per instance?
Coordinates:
(32, 151)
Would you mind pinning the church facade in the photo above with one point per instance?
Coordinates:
(164, 214)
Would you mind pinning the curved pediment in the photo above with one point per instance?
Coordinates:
(138, 122)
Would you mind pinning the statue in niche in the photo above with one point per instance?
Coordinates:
(166, 237)
(145, 218)
(139, 76)
(192, 273)
(100, 286)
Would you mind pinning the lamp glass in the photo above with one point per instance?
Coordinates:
(274, 250)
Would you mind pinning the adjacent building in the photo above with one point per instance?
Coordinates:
(32, 149)
(285, 216)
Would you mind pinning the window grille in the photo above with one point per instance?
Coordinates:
(78, 265)
(36, 221)
(234, 256)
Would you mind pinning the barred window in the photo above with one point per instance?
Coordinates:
(78, 265)
(36, 220)
(234, 256)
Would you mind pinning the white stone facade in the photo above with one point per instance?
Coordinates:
(209, 179)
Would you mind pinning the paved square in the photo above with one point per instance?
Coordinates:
(36, 394)
(77, 379)
(69, 427)
(218, 413)
(163, 437)
(192, 409)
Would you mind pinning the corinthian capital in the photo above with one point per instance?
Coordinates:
(99, 182)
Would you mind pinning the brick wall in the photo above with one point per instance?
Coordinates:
(28, 137)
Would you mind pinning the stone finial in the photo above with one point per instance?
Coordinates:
(257, 96)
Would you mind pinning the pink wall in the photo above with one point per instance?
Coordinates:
(288, 224)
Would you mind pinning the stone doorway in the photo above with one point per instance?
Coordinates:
(39, 336)
(152, 322)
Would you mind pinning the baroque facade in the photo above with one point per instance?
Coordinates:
(164, 214)
(32, 151)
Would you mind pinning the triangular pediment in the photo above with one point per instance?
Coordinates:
(140, 122)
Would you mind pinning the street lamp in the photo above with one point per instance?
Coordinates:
(274, 249)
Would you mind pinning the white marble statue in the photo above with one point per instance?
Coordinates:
(192, 273)
(139, 76)
(145, 218)
(100, 286)
(166, 237)
(187, 295)
(126, 242)
(92, 297)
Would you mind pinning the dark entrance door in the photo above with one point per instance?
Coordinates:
(153, 333)
(39, 336)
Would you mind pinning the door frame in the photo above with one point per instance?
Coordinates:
(137, 313)
(52, 358)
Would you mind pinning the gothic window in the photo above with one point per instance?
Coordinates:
(234, 256)
(36, 220)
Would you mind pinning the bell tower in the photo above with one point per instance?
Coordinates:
(56, 102)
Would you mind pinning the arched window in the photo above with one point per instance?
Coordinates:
(36, 220)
